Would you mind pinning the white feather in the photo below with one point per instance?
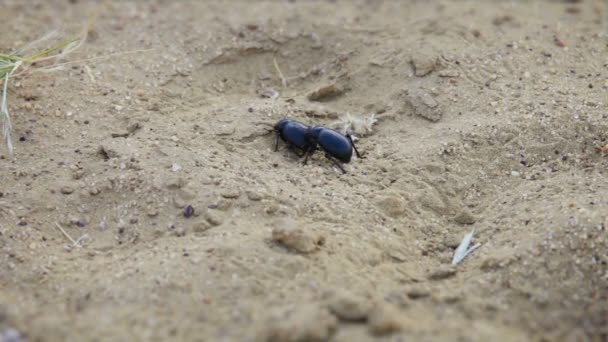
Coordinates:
(463, 249)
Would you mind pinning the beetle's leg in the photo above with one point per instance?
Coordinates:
(309, 153)
(294, 149)
(300, 155)
(276, 145)
(353, 145)
(336, 163)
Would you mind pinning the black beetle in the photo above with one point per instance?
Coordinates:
(307, 139)
(293, 134)
(334, 144)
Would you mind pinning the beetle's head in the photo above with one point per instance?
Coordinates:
(281, 124)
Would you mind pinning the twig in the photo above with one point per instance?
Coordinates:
(58, 65)
(66, 234)
(276, 66)
(90, 73)
(82, 237)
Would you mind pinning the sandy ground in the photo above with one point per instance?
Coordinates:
(489, 115)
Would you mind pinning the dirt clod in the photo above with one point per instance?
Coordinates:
(288, 233)
(214, 217)
(349, 307)
(423, 63)
(392, 206)
(442, 272)
(424, 105)
(385, 319)
(326, 92)
(465, 217)
(307, 323)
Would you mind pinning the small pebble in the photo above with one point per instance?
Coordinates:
(418, 292)
(200, 226)
(66, 190)
(224, 204)
(230, 193)
(254, 196)
(188, 211)
(348, 307)
(214, 217)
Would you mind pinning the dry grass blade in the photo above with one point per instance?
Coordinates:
(9, 64)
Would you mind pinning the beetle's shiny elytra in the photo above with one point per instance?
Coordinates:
(332, 142)
(293, 134)
(337, 147)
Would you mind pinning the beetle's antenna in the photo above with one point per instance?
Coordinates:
(276, 145)
(336, 163)
(353, 145)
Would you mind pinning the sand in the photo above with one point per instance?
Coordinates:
(487, 116)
